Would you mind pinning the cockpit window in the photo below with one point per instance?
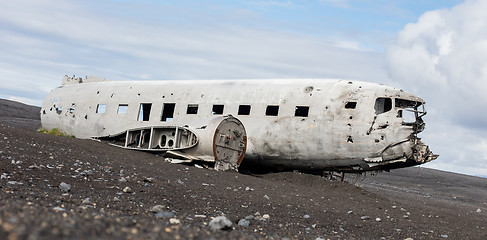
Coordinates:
(382, 105)
(403, 103)
(407, 109)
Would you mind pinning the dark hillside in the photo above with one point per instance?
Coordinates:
(19, 115)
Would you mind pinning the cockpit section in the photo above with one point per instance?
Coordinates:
(404, 147)
(410, 111)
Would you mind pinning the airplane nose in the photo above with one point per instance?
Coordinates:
(422, 153)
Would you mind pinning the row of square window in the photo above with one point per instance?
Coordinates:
(168, 110)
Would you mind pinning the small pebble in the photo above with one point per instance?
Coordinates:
(244, 222)
(174, 221)
(165, 215)
(220, 223)
(158, 208)
(64, 187)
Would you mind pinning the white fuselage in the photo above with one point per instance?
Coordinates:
(311, 123)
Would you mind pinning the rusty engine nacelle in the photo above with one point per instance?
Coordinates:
(222, 140)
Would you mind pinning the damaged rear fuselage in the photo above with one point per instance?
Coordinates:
(311, 124)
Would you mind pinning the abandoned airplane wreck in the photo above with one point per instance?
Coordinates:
(310, 124)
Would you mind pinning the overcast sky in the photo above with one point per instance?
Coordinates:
(435, 49)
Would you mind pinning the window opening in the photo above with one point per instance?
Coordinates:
(408, 110)
(272, 110)
(382, 105)
(192, 109)
(72, 108)
(101, 108)
(351, 105)
(168, 112)
(301, 111)
(122, 108)
(144, 112)
(403, 103)
(244, 110)
(217, 109)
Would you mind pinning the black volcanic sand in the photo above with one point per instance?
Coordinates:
(19, 115)
(415, 203)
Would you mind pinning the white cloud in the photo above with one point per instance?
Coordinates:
(76, 39)
(443, 57)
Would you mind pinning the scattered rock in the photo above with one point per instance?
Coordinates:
(122, 179)
(87, 201)
(266, 216)
(478, 210)
(350, 212)
(444, 235)
(59, 209)
(306, 216)
(365, 217)
(158, 208)
(220, 223)
(174, 221)
(267, 197)
(244, 222)
(378, 219)
(116, 199)
(149, 180)
(65, 187)
(127, 190)
(165, 215)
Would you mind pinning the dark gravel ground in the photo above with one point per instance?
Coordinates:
(415, 203)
